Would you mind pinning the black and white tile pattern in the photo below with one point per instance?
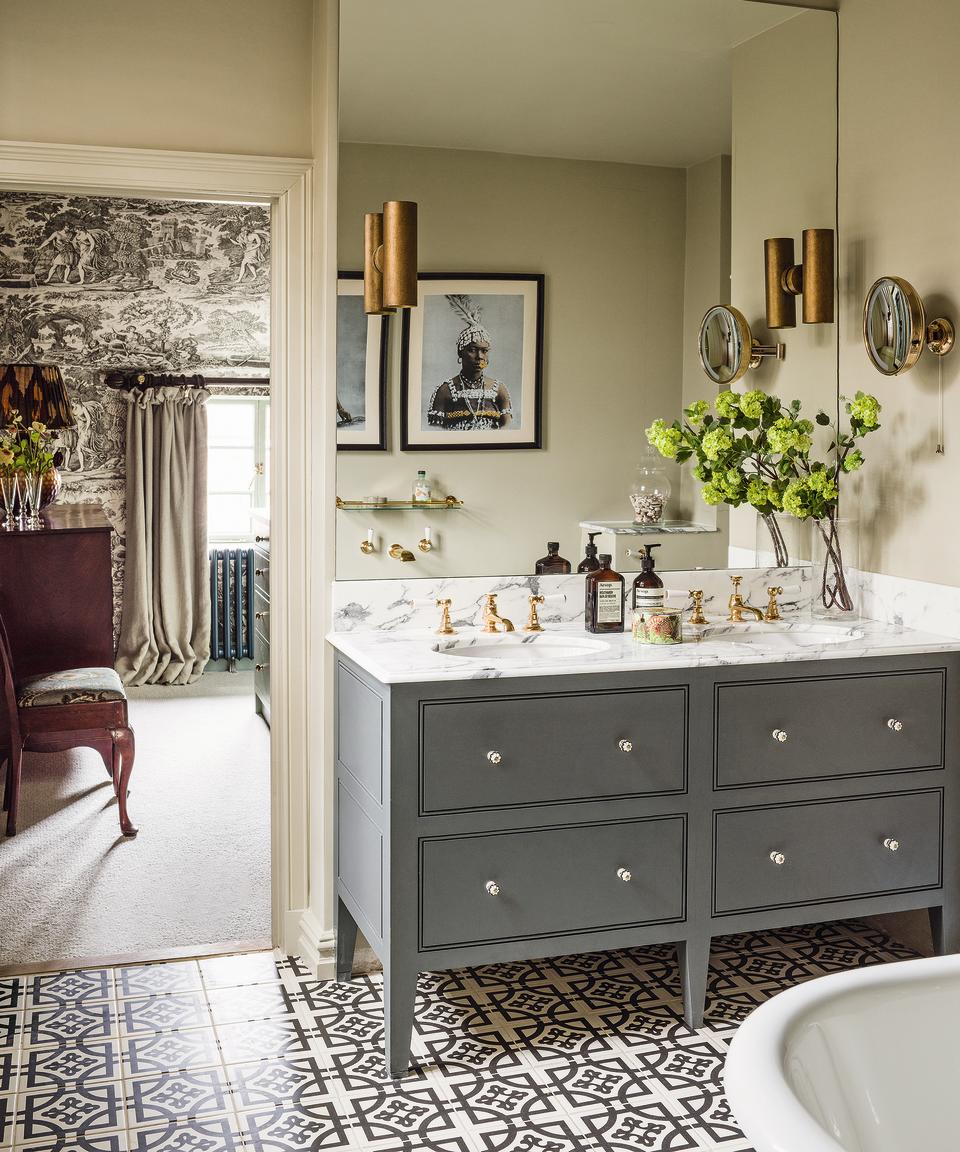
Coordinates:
(568, 1054)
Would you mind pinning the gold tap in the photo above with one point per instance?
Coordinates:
(398, 552)
(738, 605)
(446, 627)
(491, 618)
(533, 620)
(773, 608)
(697, 616)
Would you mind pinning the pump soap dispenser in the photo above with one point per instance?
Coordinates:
(647, 587)
(590, 563)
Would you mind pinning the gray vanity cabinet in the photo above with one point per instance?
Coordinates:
(504, 819)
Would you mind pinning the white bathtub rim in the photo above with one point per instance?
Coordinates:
(764, 1105)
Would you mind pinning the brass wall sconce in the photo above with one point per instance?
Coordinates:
(896, 329)
(813, 279)
(390, 258)
(727, 346)
(368, 546)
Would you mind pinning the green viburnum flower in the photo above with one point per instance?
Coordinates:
(865, 409)
(758, 493)
(711, 494)
(665, 439)
(727, 405)
(702, 472)
(823, 484)
(853, 460)
(785, 434)
(796, 499)
(715, 443)
(751, 404)
(696, 412)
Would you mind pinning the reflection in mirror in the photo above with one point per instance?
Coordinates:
(602, 160)
(727, 346)
(895, 327)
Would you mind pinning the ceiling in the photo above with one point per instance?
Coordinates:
(635, 81)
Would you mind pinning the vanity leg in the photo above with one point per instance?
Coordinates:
(945, 930)
(694, 968)
(399, 1003)
(346, 941)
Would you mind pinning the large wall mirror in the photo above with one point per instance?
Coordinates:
(592, 176)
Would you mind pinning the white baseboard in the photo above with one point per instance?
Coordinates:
(316, 946)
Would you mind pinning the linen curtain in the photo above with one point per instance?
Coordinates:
(165, 628)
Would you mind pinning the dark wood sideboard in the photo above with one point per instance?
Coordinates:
(56, 591)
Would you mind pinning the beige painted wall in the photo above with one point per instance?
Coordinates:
(216, 76)
(898, 216)
(609, 238)
(784, 157)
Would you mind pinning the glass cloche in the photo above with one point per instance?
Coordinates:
(650, 491)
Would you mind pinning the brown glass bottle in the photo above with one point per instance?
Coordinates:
(603, 598)
(648, 587)
(590, 563)
(553, 564)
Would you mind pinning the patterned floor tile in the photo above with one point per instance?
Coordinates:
(172, 1097)
(555, 1136)
(87, 1111)
(710, 1115)
(416, 1113)
(245, 968)
(151, 979)
(11, 993)
(263, 1040)
(352, 1071)
(74, 1142)
(320, 995)
(164, 1013)
(6, 1120)
(303, 1129)
(277, 1083)
(59, 988)
(171, 1051)
(252, 1002)
(612, 1081)
(56, 1068)
(647, 1126)
(10, 1030)
(217, 1134)
(68, 1024)
(9, 1067)
(517, 1097)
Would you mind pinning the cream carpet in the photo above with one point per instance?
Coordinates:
(197, 875)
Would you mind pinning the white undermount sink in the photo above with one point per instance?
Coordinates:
(522, 648)
(782, 636)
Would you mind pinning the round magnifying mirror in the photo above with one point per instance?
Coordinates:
(894, 325)
(725, 344)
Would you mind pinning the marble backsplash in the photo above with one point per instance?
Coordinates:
(390, 604)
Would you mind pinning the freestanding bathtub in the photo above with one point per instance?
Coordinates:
(862, 1061)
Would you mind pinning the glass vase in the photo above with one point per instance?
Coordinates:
(649, 493)
(9, 490)
(782, 541)
(836, 558)
(31, 488)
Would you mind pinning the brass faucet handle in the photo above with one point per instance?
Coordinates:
(697, 616)
(736, 581)
(533, 620)
(446, 627)
(773, 608)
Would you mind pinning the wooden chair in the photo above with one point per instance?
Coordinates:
(77, 708)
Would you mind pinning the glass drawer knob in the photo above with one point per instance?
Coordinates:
(492, 887)
(779, 735)
(494, 757)
(891, 844)
(625, 875)
(625, 745)
(778, 858)
(895, 725)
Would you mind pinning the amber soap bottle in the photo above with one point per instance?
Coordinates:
(603, 598)
(553, 564)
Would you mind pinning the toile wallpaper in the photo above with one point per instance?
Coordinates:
(99, 285)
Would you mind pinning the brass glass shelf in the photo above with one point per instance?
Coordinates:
(398, 505)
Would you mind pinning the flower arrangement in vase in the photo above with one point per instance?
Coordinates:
(25, 455)
(753, 449)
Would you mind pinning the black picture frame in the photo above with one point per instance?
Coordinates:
(371, 439)
(415, 437)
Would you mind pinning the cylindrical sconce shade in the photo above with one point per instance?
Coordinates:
(818, 276)
(372, 276)
(781, 305)
(399, 254)
(37, 392)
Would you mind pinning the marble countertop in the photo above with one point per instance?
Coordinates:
(416, 655)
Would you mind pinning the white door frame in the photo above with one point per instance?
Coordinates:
(298, 483)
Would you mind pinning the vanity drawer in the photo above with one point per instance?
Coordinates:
(261, 573)
(261, 611)
(829, 727)
(831, 850)
(551, 881)
(513, 752)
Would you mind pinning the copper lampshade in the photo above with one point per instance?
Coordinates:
(37, 392)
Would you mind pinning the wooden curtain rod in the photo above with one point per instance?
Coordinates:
(128, 380)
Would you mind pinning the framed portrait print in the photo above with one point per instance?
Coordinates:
(361, 370)
(471, 362)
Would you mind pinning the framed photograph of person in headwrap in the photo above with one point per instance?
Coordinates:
(471, 362)
(361, 370)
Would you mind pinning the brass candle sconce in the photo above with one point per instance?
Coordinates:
(390, 258)
(813, 279)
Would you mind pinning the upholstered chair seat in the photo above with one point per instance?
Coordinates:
(74, 686)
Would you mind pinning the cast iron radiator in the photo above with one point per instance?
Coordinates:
(231, 603)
